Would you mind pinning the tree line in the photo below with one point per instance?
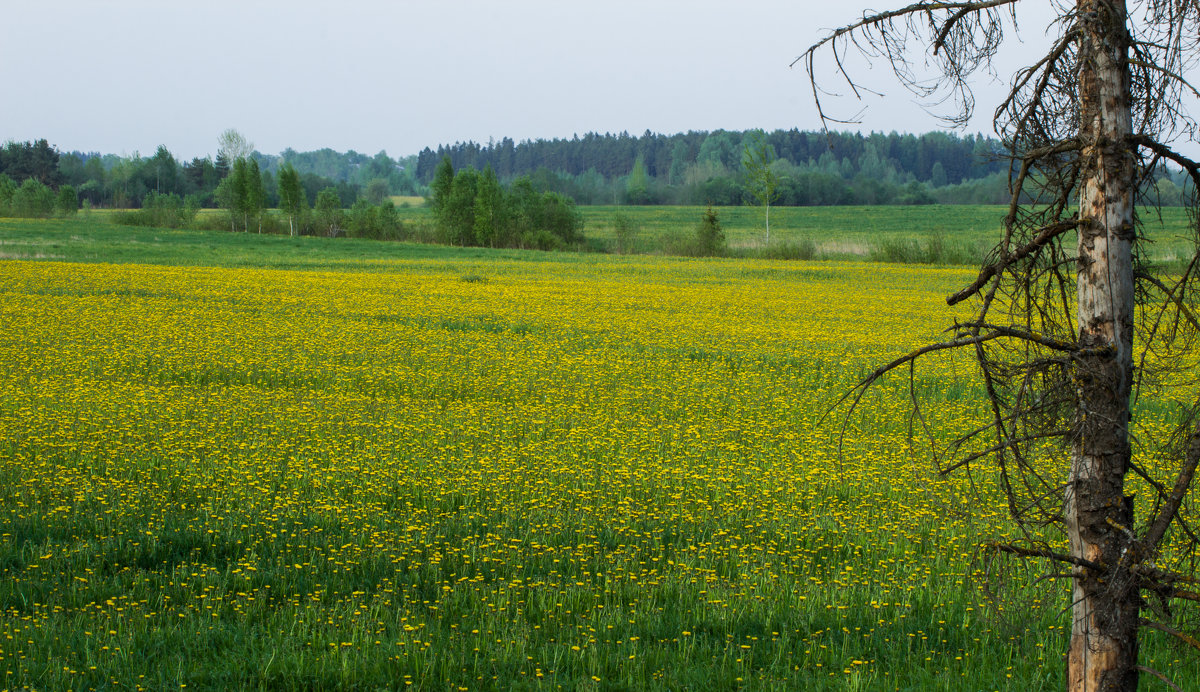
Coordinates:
(669, 156)
(812, 168)
(125, 182)
(160, 192)
(694, 168)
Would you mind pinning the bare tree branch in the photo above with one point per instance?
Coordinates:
(1151, 66)
(872, 20)
(974, 456)
(1192, 167)
(1166, 681)
(1185, 638)
(1047, 554)
(1158, 527)
(885, 34)
(1044, 236)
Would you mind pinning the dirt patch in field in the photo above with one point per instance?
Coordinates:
(844, 248)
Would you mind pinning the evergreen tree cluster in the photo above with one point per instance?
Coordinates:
(812, 168)
(668, 157)
(37, 160)
(473, 208)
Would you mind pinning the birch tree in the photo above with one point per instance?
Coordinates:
(233, 145)
(1066, 305)
(291, 195)
(761, 181)
(256, 194)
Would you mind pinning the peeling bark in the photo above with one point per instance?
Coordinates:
(1103, 648)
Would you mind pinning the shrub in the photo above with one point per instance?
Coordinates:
(625, 232)
(898, 250)
(203, 222)
(67, 201)
(560, 217)
(272, 223)
(162, 211)
(32, 199)
(424, 232)
(364, 220)
(803, 250)
(540, 240)
(934, 249)
(7, 190)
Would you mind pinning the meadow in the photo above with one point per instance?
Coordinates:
(938, 234)
(263, 463)
(932, 234)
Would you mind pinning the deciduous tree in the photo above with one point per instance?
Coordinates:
(761, 181)
(328, 211)
(292, 200)
(232, 194)
(231, 146)
(377, 191)
(256, 194)
(490, 214)
(32, 199)
(67, 201)
(457, 215)
(637, 190)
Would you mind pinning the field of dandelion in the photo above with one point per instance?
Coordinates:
(440, 469)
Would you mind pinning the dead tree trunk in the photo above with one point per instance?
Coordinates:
(1103, 649)
(1058, 364)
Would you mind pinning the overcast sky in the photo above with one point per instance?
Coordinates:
(119, 76)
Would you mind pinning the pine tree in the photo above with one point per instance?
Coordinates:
(443, 183)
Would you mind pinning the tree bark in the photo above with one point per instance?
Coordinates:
(768, 223)
(1103, 649)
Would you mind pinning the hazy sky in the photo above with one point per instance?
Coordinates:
(120, 76)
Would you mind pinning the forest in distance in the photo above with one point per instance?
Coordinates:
(693, 168)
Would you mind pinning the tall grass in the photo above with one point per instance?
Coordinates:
(934, 248)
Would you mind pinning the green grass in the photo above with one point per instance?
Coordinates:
(962, 233)
(958, 234)
(837, 231)
(232, 461)
(97, 240)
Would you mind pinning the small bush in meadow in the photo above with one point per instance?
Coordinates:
(804, 249)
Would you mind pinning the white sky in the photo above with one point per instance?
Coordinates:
(119, 76)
